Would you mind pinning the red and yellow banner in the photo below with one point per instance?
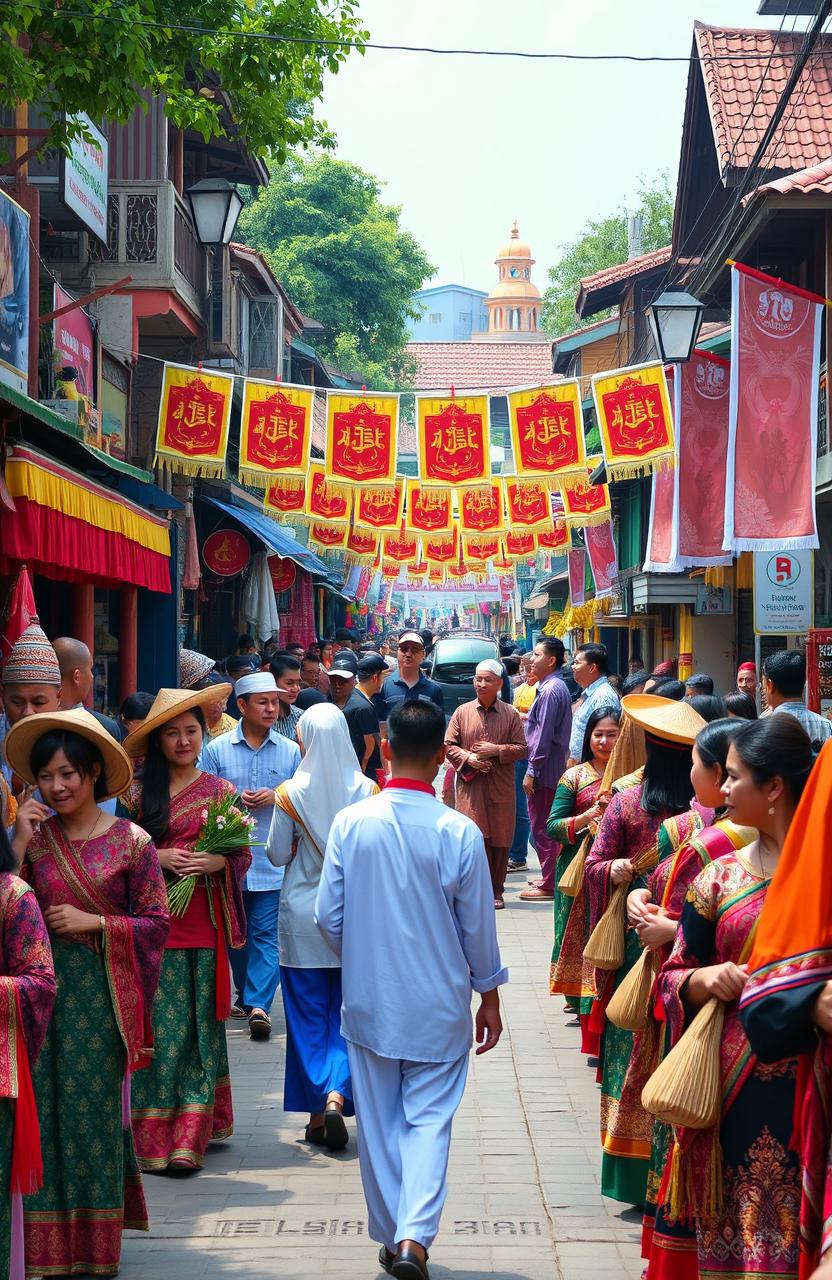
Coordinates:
(480, 548)
(453, 440)
(400, 547)
(275, 431)
(528, 503)
(192, 435)
(363, 544)
(481, 510)
(379, 507)
(519, 544)
(635, 420)
(547, 430)
(558, 540)
(442, 548)
(390, 569)
(428, 510)
(286, 496)
(436, 577)
(361, 437)
(584, 503)
(331, 537)
(326, 501)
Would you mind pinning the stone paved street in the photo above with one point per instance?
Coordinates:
(524, 1201)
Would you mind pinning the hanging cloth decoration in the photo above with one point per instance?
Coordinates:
(379, 507)
(326, 501)
(361, 437)
(478, 548)
(663, 527)
(453, 439)
(558, 540)
(603, 558)
(635, 419)
(285, 496)
(400, 547)
(331, 537)
(441, 549)
(519, 544)
(576, 562)
(700, 393)
(428, 510)
(482, 510)
(194, 413)
(547, 431)
(275, 432)
(529, 504)
(772, 441)
(584, 503)
(362, 544)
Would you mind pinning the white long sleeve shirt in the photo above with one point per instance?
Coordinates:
(405, 899)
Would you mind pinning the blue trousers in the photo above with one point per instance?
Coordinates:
(256, 966)
(519, 850)
(316, 1052)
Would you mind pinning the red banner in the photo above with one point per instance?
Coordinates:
(328, 536)
(453, 437)
(662, 533)
(481, 510)
(557, 540)
(519, 544)
(286, 496)
(603, 559)
(361, 436)
(529, 504)
(547, 430)
(428, 510)
(584, 503)
(275, 428)
(635, 420)
(480, 549)
(576, 561)
(441, 549)
(701, 401)
(379, 507)
(325, 500)
(400, 547)
(775, 369)
(194, 413)
(362, 544)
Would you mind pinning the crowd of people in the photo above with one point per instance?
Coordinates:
(274, 823)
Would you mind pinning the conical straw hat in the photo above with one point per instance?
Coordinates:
(662, 717)
(22, 737)
(167, 705)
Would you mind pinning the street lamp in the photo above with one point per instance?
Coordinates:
(215, 208)
(675, 320)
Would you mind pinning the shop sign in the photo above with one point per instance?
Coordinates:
(73, 342)
(819, 671)
(226, 553)
(711, 601)
(14, 294)
(784, 592)
(83, 178)
(283, 571)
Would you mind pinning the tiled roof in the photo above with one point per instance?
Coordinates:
(734, 62)
(480, 366)
(817, 180)
(625, 270)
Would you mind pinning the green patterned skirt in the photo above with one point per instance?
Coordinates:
(91, 1183)
(183, 1100)
(626, 1128)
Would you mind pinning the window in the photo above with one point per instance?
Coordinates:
(436, 317)
(262, 334)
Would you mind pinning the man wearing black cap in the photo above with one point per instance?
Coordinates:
(410, 681)
(362, 721)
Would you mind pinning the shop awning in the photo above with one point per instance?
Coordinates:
(270, 533)
(67, 527)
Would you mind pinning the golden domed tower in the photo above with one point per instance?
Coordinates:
(514, 302)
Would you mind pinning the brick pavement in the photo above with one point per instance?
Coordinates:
(524, 1201)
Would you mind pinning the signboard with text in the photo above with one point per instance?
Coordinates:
(83, 178)
(73, 342)
(784, 592)
(819, 671)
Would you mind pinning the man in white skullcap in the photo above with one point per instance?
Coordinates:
(483, 741)
(256, 759)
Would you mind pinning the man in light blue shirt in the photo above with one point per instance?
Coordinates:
(589, 668)
(256, 759)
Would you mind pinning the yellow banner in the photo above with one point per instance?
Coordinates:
(635, 420)
(361, 437)
(330, 537)
(482, 510)
(194, 413)
(325, 501)
(528, 503)
(585, 504)
(275, 431)
(429, 510)
(547, 430)
(453, 440)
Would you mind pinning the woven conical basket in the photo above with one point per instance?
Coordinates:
(606, 946)
(686, 1087)
(628, 1006)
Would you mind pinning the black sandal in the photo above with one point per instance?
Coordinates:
(316, 1136)
(337, 1136)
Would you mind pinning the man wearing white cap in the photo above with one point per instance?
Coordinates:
(410, 681)
(256, 759)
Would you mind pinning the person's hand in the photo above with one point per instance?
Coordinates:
(175, 860)
(657, 929)
(603, 800)
(621, 871)
(204, 864)
(822, 1017)
(486, 750)
(489, 1026)
(591, 815)
(725, 981)
(481, 766)
(637, 903)
(65, 919)
(259, 798)
(30, 814)
(528, 784)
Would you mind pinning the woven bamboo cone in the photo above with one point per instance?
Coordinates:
(606, 946)
(572, 880)
(686, 1088)
(628, 1006)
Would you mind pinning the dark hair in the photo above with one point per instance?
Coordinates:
(511, 664)
(667, 687)
(245, 640)
(708, 706)
(713, 741)
(667, 787)
(553, 648)
(506, 645)
(596, 654)
(237, 662)
(741, 705)
(416, 730)
(701, 683)
(776, 747)
(154, 811)
(635, 681)
(343, 635)
(8, 862)
(282, 662)
(602, 713)
(312, 655)
(136, 706)
(80, 752)
(309, 698)
(786, 669)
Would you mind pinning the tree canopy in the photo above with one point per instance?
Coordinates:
(344, 259)
(604, 244)
(96, 56)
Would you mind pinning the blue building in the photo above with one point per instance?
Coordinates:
(450, 313)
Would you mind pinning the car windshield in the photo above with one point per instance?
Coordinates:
(455, 660)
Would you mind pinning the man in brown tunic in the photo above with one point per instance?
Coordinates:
(482, 742)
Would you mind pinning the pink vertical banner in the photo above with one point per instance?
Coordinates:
(701, 411)
(662, 531)
(603, 558)
(576, 561)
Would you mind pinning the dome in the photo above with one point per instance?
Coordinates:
(516, 248)
(521, 290)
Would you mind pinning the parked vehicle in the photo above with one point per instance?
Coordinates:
(453, 662)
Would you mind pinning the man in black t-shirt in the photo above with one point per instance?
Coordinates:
(362, 721)
(371, 670)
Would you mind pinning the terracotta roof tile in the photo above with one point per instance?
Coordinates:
(491, 366)
(816, 179)
(625, 270)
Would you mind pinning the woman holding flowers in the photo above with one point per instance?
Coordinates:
(184, 1100)
(100, 890)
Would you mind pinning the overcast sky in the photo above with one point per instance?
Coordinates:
(466, 145)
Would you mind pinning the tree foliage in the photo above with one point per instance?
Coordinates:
(604, 244)
(95, 56)
(344, 260)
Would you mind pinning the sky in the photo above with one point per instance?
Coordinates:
(466, 145)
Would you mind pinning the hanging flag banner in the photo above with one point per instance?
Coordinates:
(441, 548)
(635, 420)
(362, 544)
(400, 547)
(700, 394)
(361, 437)
(325, 500)
(529, 504)
(379, 507)
(480, 549)
(391, 569)
(603, 558)
(547, 430)
(194, 413)
(275, 431)
(481, 510)
(663, 527)
(428, 510)
(773, 424)
(329, 536)
(576, 561)
(584, 503)
(453, 440)
(519, 544)
(558, 540)
(284, 497)
(436, 577)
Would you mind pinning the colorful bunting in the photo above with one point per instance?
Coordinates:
(379, 507)
(635, 419)
(585, 503)
(519, 544)
(481, 510)
(547, 430)
(194, 413)
(454, 440)
(361, 437)
(275, 431)
(400, 547)
(558, 540)
(480, 548)
(286, 496)
(428, 510)
(329, 537)
(363, 544)
(441, 548)
(325, 500)
(529, 504)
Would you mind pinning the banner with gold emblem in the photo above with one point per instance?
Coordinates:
(584, 503)
(453, 440)
(482, 510)
(361, 437)
(379, 507)
(480, 548)
(428, 510)
(326, 501)
(635, 420)
(194, 413)
(528, 503)
(519, 544)
(286, 497)
(363, 544)
(400, 546)
(441, 548)
(547, 430)
(275, 431)
(330, 537)
(559, 539)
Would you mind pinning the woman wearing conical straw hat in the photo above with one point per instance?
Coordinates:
(184, 1101)
(99, 885)
(623, 853)
(739, 1181)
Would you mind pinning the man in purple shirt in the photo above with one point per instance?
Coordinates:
(547, 727)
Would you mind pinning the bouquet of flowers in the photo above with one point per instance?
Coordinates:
(225, 827)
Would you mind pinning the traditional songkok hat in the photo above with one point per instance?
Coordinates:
(32, 660)
(492, 665)
(257, 682)
(747, 666)
(167, 705)
(193, 667)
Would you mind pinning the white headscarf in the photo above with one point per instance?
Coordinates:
(328, 777)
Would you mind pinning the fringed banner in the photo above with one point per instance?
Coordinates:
(428, 510)
(379, 507)
(584, 503)
(481, 510)
(559, 540)
(519, 544)
(635, 420)
(275, 431)
(441, 549)
(362, 545)
(453, 440)
(326, 501)
(529, 504)
(331, 537)
(772, 439)
(547, 430)
(576, 562)
(391, 569)
(194, 413)
(286, 496)
(663, 527)
(361, 437)
(701, 401)
(603, 558)
(400, 547)
(479, 549)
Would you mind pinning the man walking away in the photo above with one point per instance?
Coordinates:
(589, 670)
(547, 737)
(371, 670)
(784, 678)
(405, 875)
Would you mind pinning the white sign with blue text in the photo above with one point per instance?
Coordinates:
(784, 592)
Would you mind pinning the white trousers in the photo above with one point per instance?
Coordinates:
(405, 1111)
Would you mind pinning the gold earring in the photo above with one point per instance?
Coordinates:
(771, 810)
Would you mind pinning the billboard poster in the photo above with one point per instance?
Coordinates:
(73, 342)
(14, 294)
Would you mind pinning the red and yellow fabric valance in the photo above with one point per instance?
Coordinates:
(547, 430)
(194, 413)
(635, 420)
(584, 503)
(361, 437)
(275, 431)
(429, 510)
(453, 440)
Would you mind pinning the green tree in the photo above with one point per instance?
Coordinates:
(95, 56)
(604, 244)
(344, 259)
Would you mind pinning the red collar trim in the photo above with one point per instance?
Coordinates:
(410, 784)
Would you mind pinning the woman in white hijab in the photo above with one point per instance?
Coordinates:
(328, 779)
